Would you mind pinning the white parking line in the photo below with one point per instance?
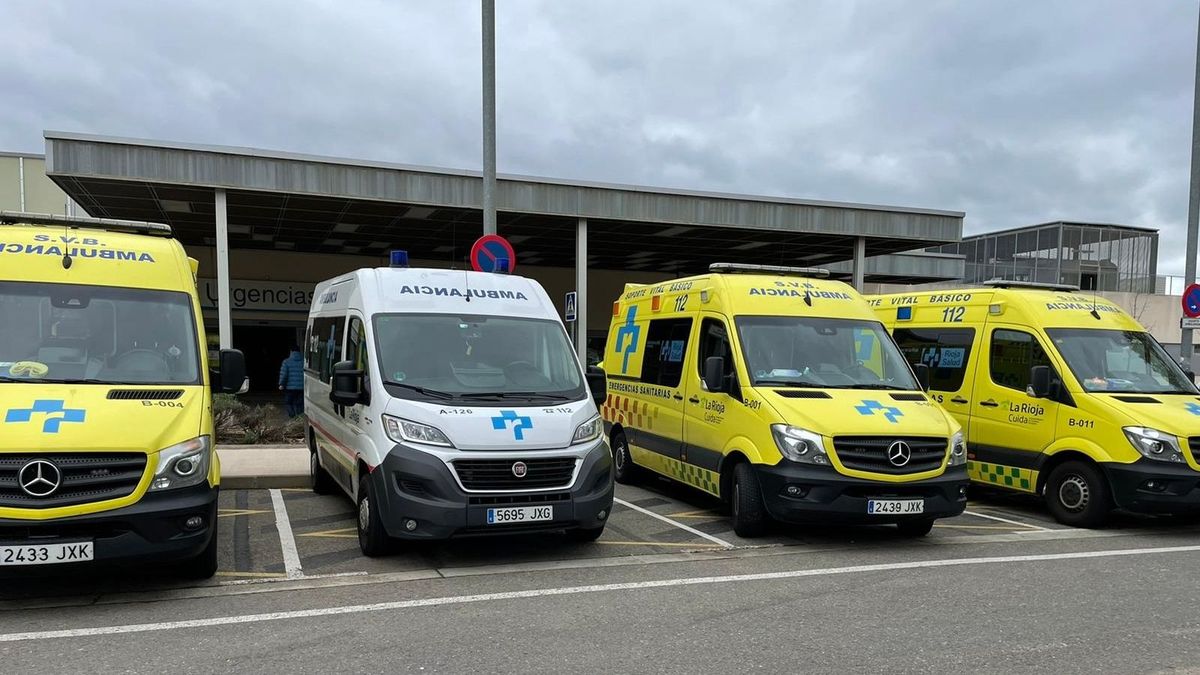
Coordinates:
(287, 541)
(1033, 528)
(698, 533)
(574, 590)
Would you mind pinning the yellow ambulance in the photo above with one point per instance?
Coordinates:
(778, 391)
(1062, 395)
(106, 434)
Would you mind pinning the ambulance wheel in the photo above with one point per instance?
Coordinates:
(585, 535)
(750, 517)
(915, 528)
(624, 470)
(1077, 495)
(372, 538)
(203, 566)
(322, 482)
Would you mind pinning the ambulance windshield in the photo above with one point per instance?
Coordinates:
(438, 356)
(1119, 361)
(96, 335)
(789, 351)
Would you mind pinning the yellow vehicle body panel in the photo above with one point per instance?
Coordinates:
(719, 426)
(80, 417)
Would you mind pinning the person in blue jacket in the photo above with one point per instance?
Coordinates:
(291, 382)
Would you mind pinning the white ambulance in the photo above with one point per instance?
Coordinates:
(449, 403)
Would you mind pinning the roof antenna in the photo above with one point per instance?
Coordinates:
(66, 261)
(1095, 290)
(808, 297)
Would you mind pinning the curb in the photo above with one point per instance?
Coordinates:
(266, 482)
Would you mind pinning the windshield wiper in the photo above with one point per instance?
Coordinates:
(433, 393)
(789, 383)
(515, 394)
(874, 385)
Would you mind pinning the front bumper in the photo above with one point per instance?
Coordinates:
(1146, 486)
(150, 530)
(416, 485)
(828, 496)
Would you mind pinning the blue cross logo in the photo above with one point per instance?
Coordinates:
(628, 330)
(520, 423)
(55, 413)
(1193, 408)
(869, 407)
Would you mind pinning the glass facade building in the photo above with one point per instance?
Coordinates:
(1090, 256)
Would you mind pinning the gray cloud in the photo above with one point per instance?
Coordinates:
(1014, 112)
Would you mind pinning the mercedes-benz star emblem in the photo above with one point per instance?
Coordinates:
(899, 453)
(39, 478)
(519, 469)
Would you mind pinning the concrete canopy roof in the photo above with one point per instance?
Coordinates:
(306, 203)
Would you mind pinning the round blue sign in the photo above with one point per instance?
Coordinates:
(488, 250)
(1191, 301)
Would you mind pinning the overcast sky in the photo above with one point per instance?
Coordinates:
(1016, 112)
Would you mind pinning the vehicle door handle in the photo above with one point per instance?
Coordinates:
(694, 399)
(989, 403)
(678, 397)
(959, 399)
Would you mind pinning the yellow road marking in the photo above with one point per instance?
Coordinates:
(229, 513)
(657, 543)
(703, 513)
(333, 534)
(983, 527)
(295, 489)
(271, 575)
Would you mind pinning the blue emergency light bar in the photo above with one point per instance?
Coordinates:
(399, 258)
(904, 313)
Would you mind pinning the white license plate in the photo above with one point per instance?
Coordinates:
(47, 554)
(520, 514)
(895, 507)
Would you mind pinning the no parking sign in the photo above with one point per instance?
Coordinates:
(1191, 301)
(489, 250)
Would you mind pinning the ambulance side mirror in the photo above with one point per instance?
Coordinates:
(597, 382)
(347, 385)
(921, 370)
(714, 374)
(232, 371)
(1039, 382)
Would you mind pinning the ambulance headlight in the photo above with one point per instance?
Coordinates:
(800, 445)
(588, 431)
(958, 450)
(183, 464)
(402, 430)
(1154, 444)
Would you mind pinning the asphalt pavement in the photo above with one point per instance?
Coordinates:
(669, 588)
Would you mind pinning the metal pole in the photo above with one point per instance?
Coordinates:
(581, 290)
(860, 263)
(224, 320)
(1189, 274)
(489, 116)
(21, 173)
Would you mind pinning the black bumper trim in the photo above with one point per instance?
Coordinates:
(831, 497)
(418, 486)
(1179, 492)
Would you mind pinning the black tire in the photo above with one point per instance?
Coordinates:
(750, 518)
(322, 482)
(1077, 495)
(585, 535)
(373, 540)
(203, 566)
(624, 470)
(915, 528)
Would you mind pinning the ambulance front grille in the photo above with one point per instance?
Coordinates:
(82, 478)
(497, 474)
(870, 453)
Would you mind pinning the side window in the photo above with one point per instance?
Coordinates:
(666, 344)
(947, 352)
(714, 341)
(324, 346)
(1014, 352)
